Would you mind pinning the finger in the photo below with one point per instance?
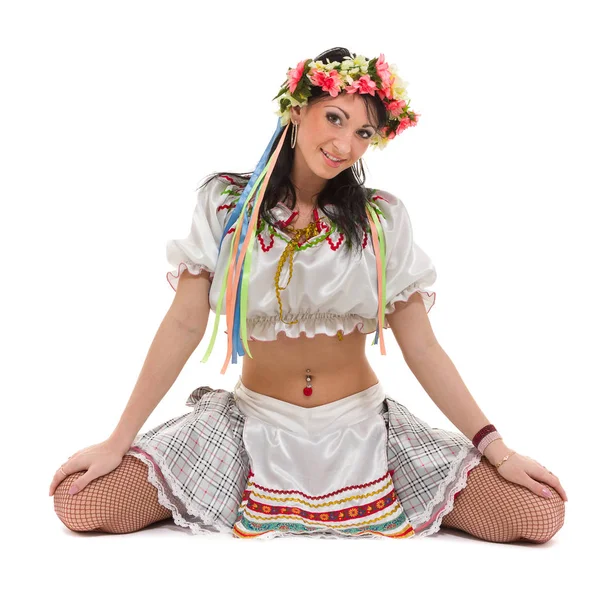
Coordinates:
(59, 476)
(81, 482)
(545, 491)
(536, 487)
(73, 465)
(542, 474)
(555, 483)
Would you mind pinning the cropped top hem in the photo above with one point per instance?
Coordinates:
(268, 328)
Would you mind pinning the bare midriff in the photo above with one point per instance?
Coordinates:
(338, 368)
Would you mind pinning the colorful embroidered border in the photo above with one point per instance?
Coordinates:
(266, 510)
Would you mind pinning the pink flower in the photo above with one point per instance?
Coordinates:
(295, 75)
(329, 82)
(396, 107)
(403, 124)
(382, 94)
(388, 90)
(388, 132)
(364, 85)
(383, 70)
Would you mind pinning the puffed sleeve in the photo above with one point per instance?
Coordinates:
(409, 268)
(200, 249)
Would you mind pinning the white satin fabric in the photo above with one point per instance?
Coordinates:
(314, 449)
(326, 422)
(327, 458)
(329, 291)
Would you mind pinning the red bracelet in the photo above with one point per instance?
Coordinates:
(484, 437)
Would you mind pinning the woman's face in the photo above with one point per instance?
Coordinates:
(340, 126)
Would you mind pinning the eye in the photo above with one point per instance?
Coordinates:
(335, 116)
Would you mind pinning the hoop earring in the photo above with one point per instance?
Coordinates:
(294, 134)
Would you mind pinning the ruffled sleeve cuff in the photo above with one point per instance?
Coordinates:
(200, 249)
(427, 295)
(409, 268)
(194, 269)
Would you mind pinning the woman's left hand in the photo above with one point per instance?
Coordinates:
(529, 473)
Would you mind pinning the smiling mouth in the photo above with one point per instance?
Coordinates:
(330, 156)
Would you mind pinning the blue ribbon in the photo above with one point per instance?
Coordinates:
(238, 346)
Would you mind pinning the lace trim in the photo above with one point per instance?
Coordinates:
(428, 298)
(326, 536)
(193, 268)
(176, 490)
(446, 490)
(198, 529)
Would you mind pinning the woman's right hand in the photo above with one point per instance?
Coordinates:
(96, 460)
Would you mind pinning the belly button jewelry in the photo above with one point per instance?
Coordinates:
(308, 388)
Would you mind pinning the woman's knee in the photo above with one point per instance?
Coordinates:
(545, 516)
(495, 509)
(75, 511)
(121, 501)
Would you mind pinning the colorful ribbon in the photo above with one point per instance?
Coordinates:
(234, 286)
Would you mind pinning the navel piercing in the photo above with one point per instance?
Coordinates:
(308, 388)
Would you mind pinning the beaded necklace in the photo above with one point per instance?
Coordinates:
(292, 246)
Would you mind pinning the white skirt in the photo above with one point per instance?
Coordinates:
(254, 466)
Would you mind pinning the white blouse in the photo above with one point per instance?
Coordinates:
(331, 289)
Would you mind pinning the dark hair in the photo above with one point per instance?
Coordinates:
(345, 191)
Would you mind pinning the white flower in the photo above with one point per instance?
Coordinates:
(379, 141)
(332, 65)
(361, 61)
(287, 96)
(399, 89)
(285, 116)
(317, 64)
(297, 102)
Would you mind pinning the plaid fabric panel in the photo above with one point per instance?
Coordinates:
(430, 466)
(199, 464)
(200, 467)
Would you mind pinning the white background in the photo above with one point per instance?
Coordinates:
(113, 112)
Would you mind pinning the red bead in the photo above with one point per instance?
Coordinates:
(307, 391)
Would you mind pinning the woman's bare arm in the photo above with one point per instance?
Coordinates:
(177, 337)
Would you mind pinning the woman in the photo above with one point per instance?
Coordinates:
(305, 262)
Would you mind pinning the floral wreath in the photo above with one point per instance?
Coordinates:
(355, 74)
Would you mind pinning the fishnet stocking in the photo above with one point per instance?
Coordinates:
(497, 510)
(121, 501)
(489, 507)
